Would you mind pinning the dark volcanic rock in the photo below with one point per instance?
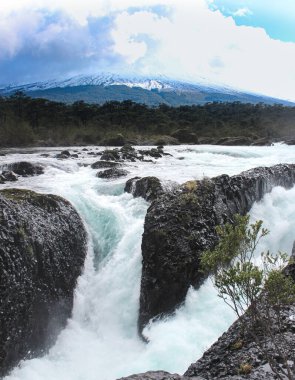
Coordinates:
(128, 153)
(8, 175)
(235, 348)
(112, 173)
(110, 155)
(153, 152)
(25, 169)
(153, 375)
(180, 225)
(42, 251)
(148, 188)
(105, 164)
(64, 154)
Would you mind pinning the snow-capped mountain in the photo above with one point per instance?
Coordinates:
(108, 79)
(104, 87)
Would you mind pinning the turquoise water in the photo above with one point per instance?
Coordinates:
(100, 341)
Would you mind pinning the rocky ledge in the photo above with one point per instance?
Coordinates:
(153, 375)
(180, 225)
(42, 252)
(235, 356)
(10, 172)
(149, 188)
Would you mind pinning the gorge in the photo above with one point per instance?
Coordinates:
(100, 339)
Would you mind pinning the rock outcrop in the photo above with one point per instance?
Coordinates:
(105, 164)
(128, 153)
(8, 176)
(149, 188)
(42, 252)
(154, 375)
(25, 169)
(235, 355)
(112, 173)
(180, 225)
(10, 172)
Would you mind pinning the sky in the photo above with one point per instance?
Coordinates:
(245, 44)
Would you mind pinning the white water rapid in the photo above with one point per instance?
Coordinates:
(100, 341)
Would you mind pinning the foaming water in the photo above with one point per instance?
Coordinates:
(100, 341)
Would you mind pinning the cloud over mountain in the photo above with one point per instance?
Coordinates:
(188, 40)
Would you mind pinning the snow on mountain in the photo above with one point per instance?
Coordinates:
(151, 90)
(160, 83)
(93, 80)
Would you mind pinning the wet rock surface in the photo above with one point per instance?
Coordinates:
(105, 164)
(154, 375)
(63, 154)
(25, 169)
(130, 154)
(112, 173)
(180, 225)
(148, 188)
(8, 176)
(235, 349)
(42, 252)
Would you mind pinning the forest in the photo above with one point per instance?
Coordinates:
(26, 121)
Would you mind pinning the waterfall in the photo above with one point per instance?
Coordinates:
(100, 341)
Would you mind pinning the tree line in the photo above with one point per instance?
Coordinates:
(27, 121)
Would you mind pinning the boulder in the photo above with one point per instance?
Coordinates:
(104, 164)
(153, 152)
(180, 225)
(42, 252)
(8, 175)
(64, 154)
(110, 155)
(128, 153)
(112, 173)
(148, 188)
(25, 169)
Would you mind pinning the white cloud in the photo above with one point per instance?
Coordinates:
(197, 42)
(242, 12)
(191, 41)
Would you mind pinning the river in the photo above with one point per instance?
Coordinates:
(100, 341)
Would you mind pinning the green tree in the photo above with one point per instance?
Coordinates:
(257, 292)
